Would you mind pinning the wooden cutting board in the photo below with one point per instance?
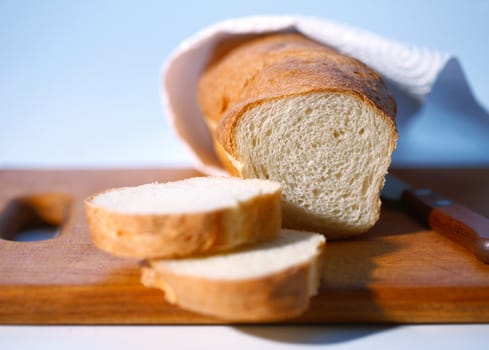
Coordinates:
(400, 272)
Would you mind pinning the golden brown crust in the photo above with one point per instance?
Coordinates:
(230, 164)
(277, 296)
(179, 235)
(281, 65)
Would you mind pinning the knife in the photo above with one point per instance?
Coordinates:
(459, 223)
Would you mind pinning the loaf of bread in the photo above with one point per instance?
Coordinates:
(268, 281)
(188, 217)
(286, 108)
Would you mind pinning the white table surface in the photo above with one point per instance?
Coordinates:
(431, 337)
(79, 88)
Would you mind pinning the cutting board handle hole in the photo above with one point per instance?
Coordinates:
(34, 217)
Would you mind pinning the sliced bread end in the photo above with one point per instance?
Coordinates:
(188, 217)
(269, 281)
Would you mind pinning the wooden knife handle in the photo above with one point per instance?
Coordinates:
(452, 219)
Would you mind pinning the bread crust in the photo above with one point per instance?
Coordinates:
(277, 296)
(180, 235)
(277, 66)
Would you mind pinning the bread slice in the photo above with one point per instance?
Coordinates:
(193, 216)
(268, 281)
(286, 108)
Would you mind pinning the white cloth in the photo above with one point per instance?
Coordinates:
(411, 71)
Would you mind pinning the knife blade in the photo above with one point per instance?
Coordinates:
(455, 221)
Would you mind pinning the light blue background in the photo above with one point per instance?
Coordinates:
(79, 80)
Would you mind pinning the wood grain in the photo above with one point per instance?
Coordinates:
(399, 273)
